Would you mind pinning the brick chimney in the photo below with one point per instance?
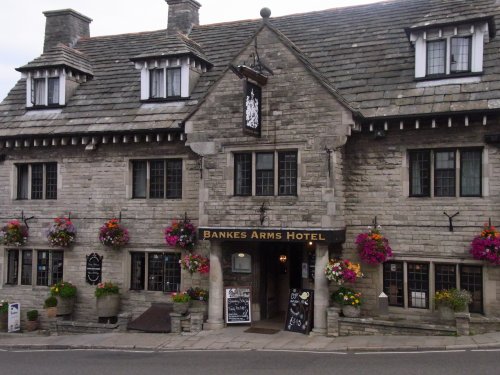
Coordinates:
(64, 26)
(182, 15)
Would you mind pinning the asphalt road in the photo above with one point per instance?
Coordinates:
(94, 362)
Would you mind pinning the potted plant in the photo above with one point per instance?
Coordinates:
(107, 299)
(32, 320)
(449, 301)
(181, 302)
(113, 235)
(181, 234)
(486, 246)
(372, 246)
(341, 271)
(62, 232)
(13, 234)
(50, 305)
(4, 315)
(195, 263)
(199, 299)
(65, 293)
(349, 300)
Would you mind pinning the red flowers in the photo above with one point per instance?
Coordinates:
(486, 246)
(373, 247)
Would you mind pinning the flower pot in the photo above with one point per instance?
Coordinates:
(446, 313)
(351, 311)
(4, 322)
(198, 306)
(181, 307)
(65, 306)
(31, 325)
(51, 312)
(108, 306)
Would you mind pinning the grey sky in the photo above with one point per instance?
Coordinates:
(22, 23)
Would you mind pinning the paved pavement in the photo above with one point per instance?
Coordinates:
(235, 338)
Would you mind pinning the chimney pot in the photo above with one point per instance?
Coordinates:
(65, 26)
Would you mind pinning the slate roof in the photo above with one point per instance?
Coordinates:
(362, 53)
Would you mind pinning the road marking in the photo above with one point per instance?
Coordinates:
(485, 350)
(415, 352)
(300, 351)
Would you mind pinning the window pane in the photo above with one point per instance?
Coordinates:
(155, 271)
(172, 273)
(139, 175)
(471, 279)
(53, 92)
(444, 174)
(243, 174)
(470, 184)
(36, 181)
(287, 162)
(264, 174)
(137, 271)
(12, 266)
(418, 285)
(26, 270)
(157, 179)
(420, 164)
(156, 83)
(446, 276)
(460, 54)
(393, 283)
(42, 268)
(174, 178)
(39, 91)
(57, 266)
(22, 181)
(436, 57)
(174, 82)
(51, 181)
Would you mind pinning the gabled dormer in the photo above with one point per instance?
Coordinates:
(52, 78)
(170, 71)
(451, 45)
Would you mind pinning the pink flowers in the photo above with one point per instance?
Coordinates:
(373, 247)
(486, 246)
(61, 233)
(112, 234)
(195, 263)
(342, 271)
(181, 234)
(14, 234)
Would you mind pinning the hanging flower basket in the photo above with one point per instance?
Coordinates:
(13, 234)
(486, 246)
(181, 234)
(62, 232)
(113, 235)
(373, 247)
(195, 263)
(341, 271)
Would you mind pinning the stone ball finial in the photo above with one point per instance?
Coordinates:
(265, 13)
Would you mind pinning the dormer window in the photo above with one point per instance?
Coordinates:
(45, 91)
(449, 50)
(161, 78)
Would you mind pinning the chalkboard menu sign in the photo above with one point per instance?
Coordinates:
(299, 312)
(93, 272)
(238, 306)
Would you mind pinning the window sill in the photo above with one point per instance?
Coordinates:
(165, 100)
(41, 107)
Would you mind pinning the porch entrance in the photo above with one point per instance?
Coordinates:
(281, 270)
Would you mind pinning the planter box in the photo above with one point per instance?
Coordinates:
(108, 306)
(65, 306)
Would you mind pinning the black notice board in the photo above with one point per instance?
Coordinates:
(299, 313)
(93, 271)
(238, 305)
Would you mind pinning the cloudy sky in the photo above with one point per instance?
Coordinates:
(22, 24)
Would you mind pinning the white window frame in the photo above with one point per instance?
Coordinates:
(46, 74)
(180, 63)
(477, 34)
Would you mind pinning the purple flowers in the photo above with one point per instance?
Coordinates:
(112, 234)
(61, 233)
(373, 247)
(181, 234)
(486, 246)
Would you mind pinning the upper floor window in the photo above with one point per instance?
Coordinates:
(437, 172)
(164, 83)
(275, 173)
(458, 61)
(157, 178)
(46, 88)
(37, 181)
(161, 270)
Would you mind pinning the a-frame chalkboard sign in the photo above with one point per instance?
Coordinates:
(299, 313)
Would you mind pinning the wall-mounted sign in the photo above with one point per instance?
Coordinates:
(252, 108)
(279, 235)
(241, 263)
(299, 312)
(238, 305)
(14, 317)
(93, 272)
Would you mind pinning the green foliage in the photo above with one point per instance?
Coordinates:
(63, 289)
(457, 299)
(105, 289)
(32, 315)
(50, 302)
(180, 297)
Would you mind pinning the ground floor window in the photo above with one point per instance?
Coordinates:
(161, 270)
(47, 270)
(422, 280)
